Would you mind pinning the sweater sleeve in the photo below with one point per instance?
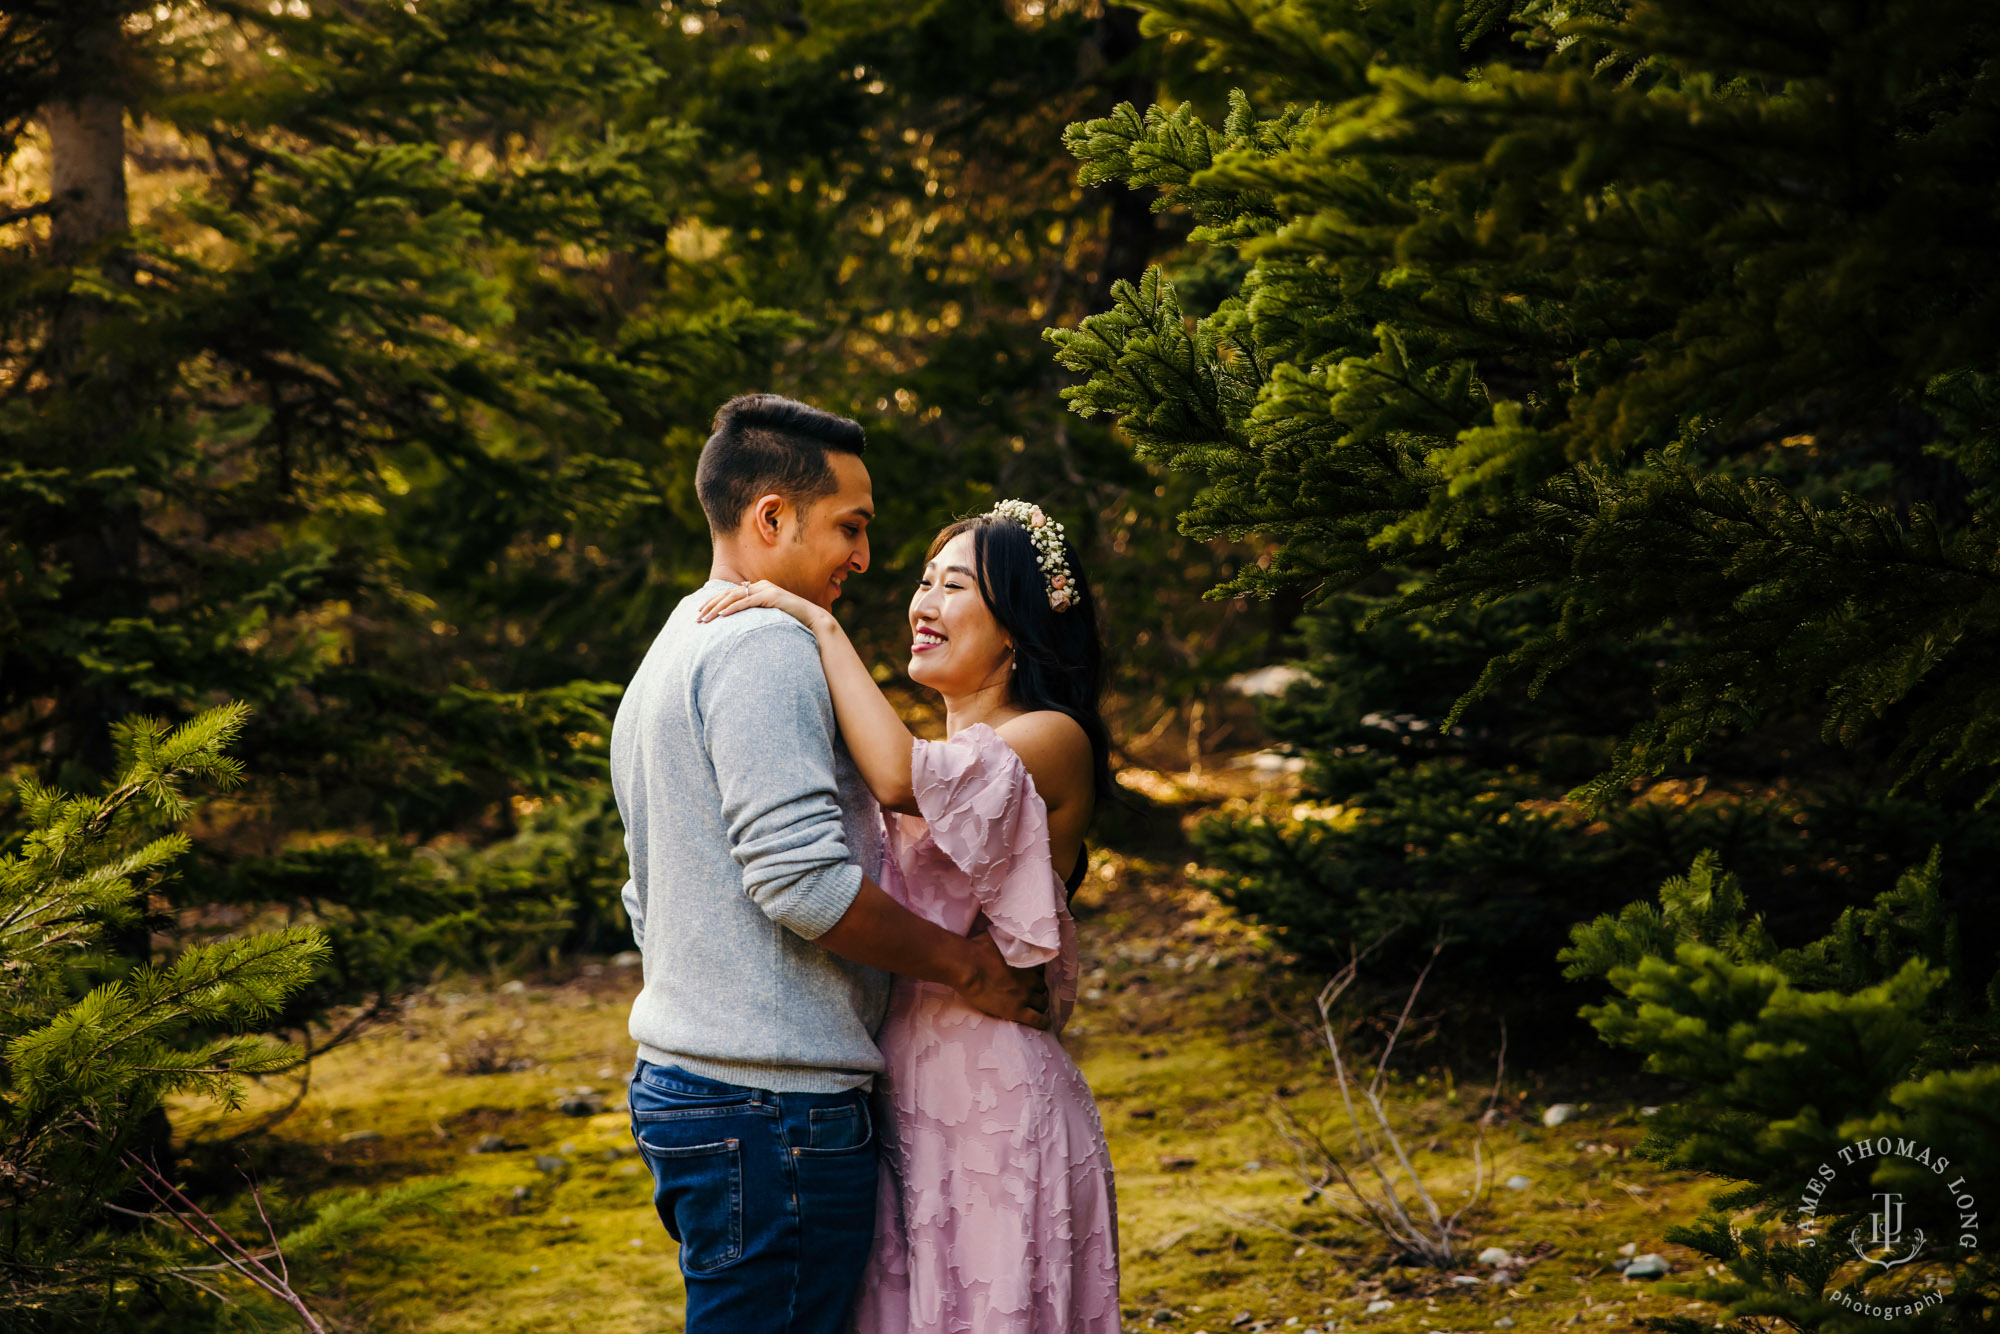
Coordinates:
(767, 723)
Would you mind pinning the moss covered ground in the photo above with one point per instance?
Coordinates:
(1194, 1038)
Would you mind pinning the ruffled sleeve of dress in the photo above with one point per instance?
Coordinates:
(983, 812)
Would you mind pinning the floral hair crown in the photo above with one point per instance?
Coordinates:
(1047, 535)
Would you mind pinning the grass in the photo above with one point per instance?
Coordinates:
(1190, 1037)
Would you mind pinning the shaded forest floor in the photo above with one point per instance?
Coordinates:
(1196, 1041)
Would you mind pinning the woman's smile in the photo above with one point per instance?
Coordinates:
(926, 639)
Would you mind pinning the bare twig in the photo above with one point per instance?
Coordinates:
(214, 1236)
(203, 1227)
(1429, 1233)
(284, 1269)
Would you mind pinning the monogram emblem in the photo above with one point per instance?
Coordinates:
(1885, 1232)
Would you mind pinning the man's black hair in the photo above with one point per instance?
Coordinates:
(763, 443)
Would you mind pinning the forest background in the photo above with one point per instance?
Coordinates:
(1626, 366)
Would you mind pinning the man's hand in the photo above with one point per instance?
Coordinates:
(1020, 995)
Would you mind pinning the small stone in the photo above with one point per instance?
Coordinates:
(1240, 1319)
(1504, 1322)
(1253, 1166)
(514, 988)
(1516, 1182)
(551, 1164)
(1629, 1248)
(1501, 1278)
(626, 959)
(1163, 1316)
(361, 1137)
(520, 1192)
(580, 1102)
(1648, 1266)
(1463, 1279)
(636, 1244)
(1559, 1113)
(1649, 1111)
(1494, 1255)
(1379, 1305)
(491, 1144)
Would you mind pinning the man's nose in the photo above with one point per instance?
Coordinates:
(860, 560)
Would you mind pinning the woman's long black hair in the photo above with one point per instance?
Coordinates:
(1058, 657)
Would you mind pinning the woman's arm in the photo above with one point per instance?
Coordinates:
(875, 736)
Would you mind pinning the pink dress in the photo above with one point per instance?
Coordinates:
(997, 1213)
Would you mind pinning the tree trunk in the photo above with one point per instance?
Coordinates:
(89, 212)
(1130, 233)
(87, 168)
(86, 125)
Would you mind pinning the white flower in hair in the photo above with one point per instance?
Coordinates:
(1047, 535)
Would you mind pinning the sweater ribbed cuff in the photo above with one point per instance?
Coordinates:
(811, 907)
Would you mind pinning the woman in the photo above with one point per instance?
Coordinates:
(997, 1211)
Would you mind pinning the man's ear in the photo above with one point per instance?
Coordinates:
(766, 517)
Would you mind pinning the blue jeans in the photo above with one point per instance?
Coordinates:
(771, 1196)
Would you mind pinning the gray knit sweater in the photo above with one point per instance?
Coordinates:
(748, 829)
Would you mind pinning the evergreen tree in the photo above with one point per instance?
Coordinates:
(894, 175)
(1671, 314)
(398, 354)
(1817, 1076)
(79, 1077)
(311, 415)
(1653, 327)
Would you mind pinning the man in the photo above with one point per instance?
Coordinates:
(767, 944)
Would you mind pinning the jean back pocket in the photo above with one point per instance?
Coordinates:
(698, 1190)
